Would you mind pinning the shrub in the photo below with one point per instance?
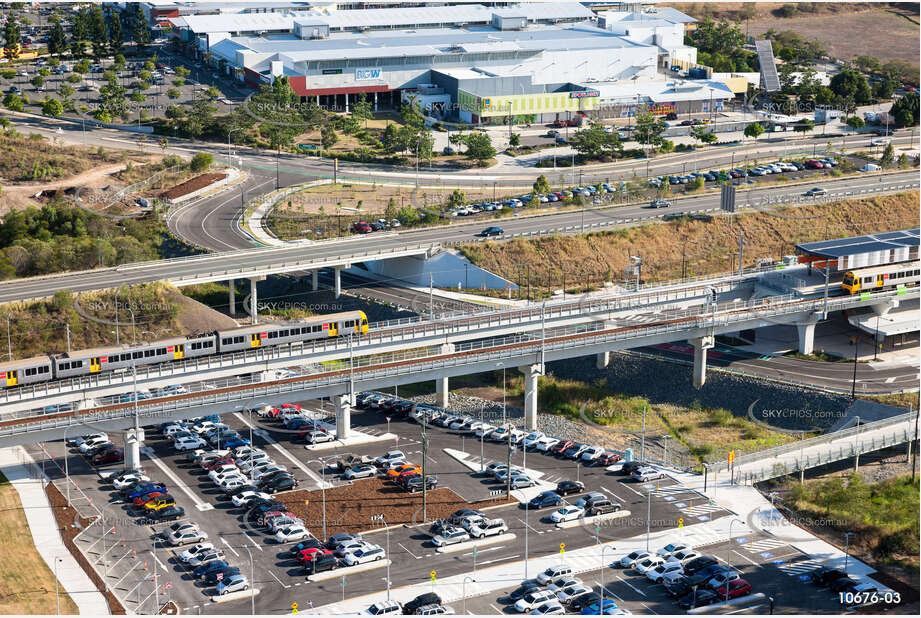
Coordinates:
(201, 162)
(720, 416)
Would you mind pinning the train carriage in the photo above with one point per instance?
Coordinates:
(881, 277)
(26, 371)
(113, 358)
(319, 327)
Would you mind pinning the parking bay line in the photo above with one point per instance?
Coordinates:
(224, 541)
(745, 557)
(255, 544)
(498, 559)
(409, 552)
(271, 441)
(483, 551)
(284, 585)
(201, 505)
(630, 488)
(631, 585)
(530, 526)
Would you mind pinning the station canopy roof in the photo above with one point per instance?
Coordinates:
(861, 244)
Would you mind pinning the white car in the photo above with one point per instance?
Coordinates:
(546, 443)
(630, 559)
(548, 608)
(92, 443)
(531, 439)
(720, 579)
(291, 533)
(563, 582)
(647, 473)
(592, 453)
(670, 549)
(257, 465)
(206, 556)
(683, 556)
(490, 527)
(450, 537)
(567, 512)
(199, 548)
(390, 456)
(130, 479)
(658, 573)
(470, 521)
(644, 565)
(219, 474)
(532, 600)
(234, 482)
(244, 498)
(552, 573)
(459, 423)
(362, 556)
(189, 443)
(518, 436)
(351, 545)
(185, 537)
(234, 583)
(383, 608)
(567, 594)
(484, 430)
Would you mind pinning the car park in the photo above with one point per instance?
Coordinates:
(568, 593)
(206, 556)
(533, 599)
(362, 556)
(545, 499)
(491, 527)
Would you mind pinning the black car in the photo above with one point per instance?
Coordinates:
(439, 526)
(825, 575)
(848, 584)
(226, 573)
(678, 588)
(492, 230)
(629, 467)
(429, 598)
(458, 516)
(699, 564)
(583, 601)
(101, 448)
(236, 491)
(403, 408)
(308, 544)
(573, 451)
(529, 585)
(279, 484)
(268, 478)
(705, 574)
(323, 562)
(169, 513)
(700, 598)
(601, 507)
(339, 538)
(564, 488)
(413, 483)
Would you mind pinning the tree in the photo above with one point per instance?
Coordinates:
(52, 107)
(116, 36)
(702, 135)
(13, 102)
(201, 162)
(328, 137)
(113, 100)
(57, 40)
(457, 199)
(885, 88)
(649, 128)
(38, 81)
(66, 91)
(855, 122)
(140, 28)
(906, 110)
(199, 118)
(44, 72)
(754, 130)
(389, 139)
(82, 67)
(173, 93)
(79, 32)
(213, 93)
(479, 146)
(361, 109)
(514, 140)
(717, 38)
(867, 63)
(138, 97)
(888, 155)
(181, 71)
(12, 34)
(541, 186)
(851, 84)
(97, 30)
(803, 126)
(54, 62)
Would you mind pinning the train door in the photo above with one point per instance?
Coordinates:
(333, 329)
(179, 352)
(11, 377)
(255, 340)
(95, 365)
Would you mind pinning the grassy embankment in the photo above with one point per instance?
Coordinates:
(27, 585)
(706, 247)
(883, 516)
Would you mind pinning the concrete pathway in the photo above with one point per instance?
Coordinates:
(48, 541)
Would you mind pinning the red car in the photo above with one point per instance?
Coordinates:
(111, 456)
(360, 227)
(737, 588)
(561, 447)
(291, 406)
(311, 553)
(223, 461)
(140, 501)
(608, 459)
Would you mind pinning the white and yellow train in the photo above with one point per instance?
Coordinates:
(881, 277)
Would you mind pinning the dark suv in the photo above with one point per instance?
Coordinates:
(322, 562)
(698, 564)
(429, 598)
(600, 507)
(413, 483)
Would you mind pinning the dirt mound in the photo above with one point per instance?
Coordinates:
(192, 184)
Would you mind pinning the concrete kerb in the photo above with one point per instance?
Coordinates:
(342, 572)
(235, 596)
(591, 520)
(476, 543)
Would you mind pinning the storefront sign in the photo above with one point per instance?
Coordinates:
(366, 74)
(583, 94)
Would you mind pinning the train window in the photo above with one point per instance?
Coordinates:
(226, 341)
(295, 331)
(273, 335)
(286, 333)
(161, 351)
(317, 328)
(30, 371)
(138, 354)
(208, 344)
(44, 369)
(64, 366)
(238, 339)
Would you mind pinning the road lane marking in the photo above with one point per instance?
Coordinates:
(498, 559)
(255, 544)
(409, 552)
(283, 584)
(631, 585)
(201, 505)
(224, 541)
(483, 551)
(530, 526)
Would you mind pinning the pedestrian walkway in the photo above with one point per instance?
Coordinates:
(43, 526)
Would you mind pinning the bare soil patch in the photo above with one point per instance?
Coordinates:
(192, 184)
(349, 508)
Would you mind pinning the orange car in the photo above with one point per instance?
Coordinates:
(404, 469)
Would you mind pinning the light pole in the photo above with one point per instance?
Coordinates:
(637, 266)
(601, 571)
(648, 516)
(847, 548)
(57, 591)
(381, 519)
(665, 455)
(729, 550)
(464, 592)
(229, 133)
(9, 340)
(252, 581)
(116, 317)
(322, 490)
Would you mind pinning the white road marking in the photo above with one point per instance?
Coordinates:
(498, 559)
(409, 552)
(283, 584)
(201, 505)
(255, 544)
(750, 561)
(530, 526)
(483, 551)
(163, 566)
(224, 541)
(631, 585)
(627, 486)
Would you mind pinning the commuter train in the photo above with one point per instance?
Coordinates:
(112, 358)
(881, 277)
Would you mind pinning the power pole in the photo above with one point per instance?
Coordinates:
(424, 454)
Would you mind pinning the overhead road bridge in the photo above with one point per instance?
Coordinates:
(527, 351)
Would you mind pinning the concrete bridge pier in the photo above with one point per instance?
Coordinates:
(602, 360)
(701, 345)
(806, 332)
(133, 439)
(441, 384)
(531, 374)
(314, 279)
(343, 405)
(885, 307)
(232, 301)
(253, 298)
(337, 286)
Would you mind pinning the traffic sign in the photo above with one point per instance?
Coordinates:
(562, 547)
(294, 608)
(308, 147)
(388, 419)
(169, 585)
(306, 502)
(433, 574)
(220, 576)
(681, 522)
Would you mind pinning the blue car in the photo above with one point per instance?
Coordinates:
(235, 442)
(209, 567)
(545, 498)
(143, 490)
(600, 607)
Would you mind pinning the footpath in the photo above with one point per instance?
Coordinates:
(15, 463)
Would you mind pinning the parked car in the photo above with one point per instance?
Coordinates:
(321, 563)
(737, 588)
(234, 583)
(491, 527)
(564, 488)
(567, 512)
(450, 537)
(646, 474)
(361, 471)
(698, 598)
(169, 513)
(371, 553)
(114, 455)
(195, 550)
(382, 608)
(552, 573)
(423, 600)
(544, 499)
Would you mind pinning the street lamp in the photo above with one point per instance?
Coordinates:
(323, 491)
(464, 591)
(637, 267)
(252, 581)
(601, 570)
(57, 590)
(229, 133)
(847, 547)
(9, 340)
(728, 550)
(381, 519)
